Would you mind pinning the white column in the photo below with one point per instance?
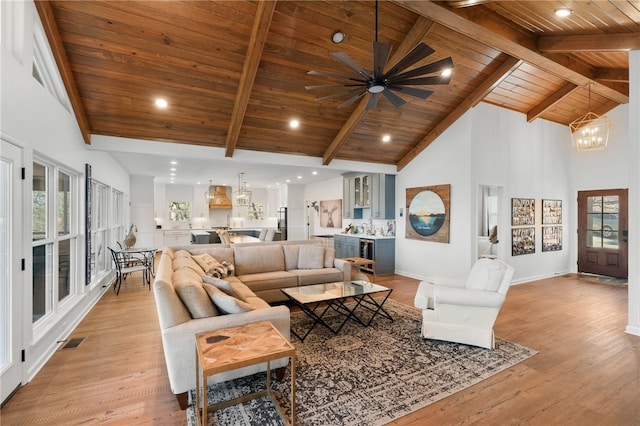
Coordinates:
(633, 327)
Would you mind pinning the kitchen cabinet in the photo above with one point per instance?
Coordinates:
(380, 250)
(376, 192)
(383, 196)
(362, 191)
(178, 237)
(347, 198)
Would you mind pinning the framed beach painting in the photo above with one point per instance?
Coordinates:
(428, 213)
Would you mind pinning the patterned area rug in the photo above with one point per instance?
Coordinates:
(365, 376)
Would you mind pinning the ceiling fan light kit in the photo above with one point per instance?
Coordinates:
(390, 83)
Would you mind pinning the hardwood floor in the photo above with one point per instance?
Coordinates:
(587, 371)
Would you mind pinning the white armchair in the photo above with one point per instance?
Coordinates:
(465, 312)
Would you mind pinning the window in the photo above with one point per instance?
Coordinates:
(603, 216)
(54, 201)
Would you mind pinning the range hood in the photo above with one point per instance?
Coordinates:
(220, 199)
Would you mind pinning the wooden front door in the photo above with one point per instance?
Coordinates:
(602, 232)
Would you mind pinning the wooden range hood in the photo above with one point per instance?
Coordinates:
(220, 199)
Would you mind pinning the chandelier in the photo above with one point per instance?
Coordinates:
(591, 131)
(243, 197)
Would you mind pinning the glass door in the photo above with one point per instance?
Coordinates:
(10, 276)
(602, 232)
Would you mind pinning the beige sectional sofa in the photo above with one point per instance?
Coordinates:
(185, 298)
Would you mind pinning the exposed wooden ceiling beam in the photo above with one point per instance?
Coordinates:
(51, 29)
(590, 43)
(484, 27)
(466, 3)
(494, 80)
(552, 100)
(612, 74)
(258, 38)
(415, 35)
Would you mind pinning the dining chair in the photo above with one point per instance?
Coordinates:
(125, 266)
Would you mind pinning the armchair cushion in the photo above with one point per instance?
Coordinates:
(465, 297)
(485, 275)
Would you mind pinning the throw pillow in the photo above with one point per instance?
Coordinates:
(225, 303)
(311, 257)
(223, 270)
(187, 262)
(223, 285)
(329, 257)
(206, 262)
(291, 254)
(192, 294)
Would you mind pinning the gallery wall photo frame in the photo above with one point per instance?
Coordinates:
(523, 240)
(551, 238)
(523, 211)
(551, 212)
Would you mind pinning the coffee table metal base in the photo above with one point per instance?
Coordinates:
(318, 310)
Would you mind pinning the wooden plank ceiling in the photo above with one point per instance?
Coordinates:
(234, 72)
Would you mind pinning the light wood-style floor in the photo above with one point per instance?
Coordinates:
(587, 371)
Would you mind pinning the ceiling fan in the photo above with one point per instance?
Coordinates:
(395, 80)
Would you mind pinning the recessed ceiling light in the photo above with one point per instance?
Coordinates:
(314, 173)
(173, 169)
(337, 37)
(446, 72)
(294, 124)
(161, 103)
(563, 12)
(287, 181)
(173, 162)
(386, 138)
(172, 174)
(299, 177)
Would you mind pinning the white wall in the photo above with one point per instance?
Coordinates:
(328, 190)
(496, 147)
(35, 121)
(446, 161)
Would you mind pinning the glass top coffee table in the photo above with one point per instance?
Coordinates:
(350, 299)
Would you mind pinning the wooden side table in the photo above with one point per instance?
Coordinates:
(366, 265)
(236, 347)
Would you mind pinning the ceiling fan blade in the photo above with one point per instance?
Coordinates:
(336, 76)
(373, 101)
(424, 81)
(346, 59)
(412, 91)
(338, 95)
(352, 100)
(418, 53)
(437, 66)
(330, 86)
(381, 53)
(393, 98)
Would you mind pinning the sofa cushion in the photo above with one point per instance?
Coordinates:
(181, 262)
(256, 259)
(220, 254)
(291, 253)
(225, 303)
(181, 253)
(269, 280)
(311, 257)
(192, 294)
(329, 257)
(206, 262)
(317, 276)
(223, 285)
